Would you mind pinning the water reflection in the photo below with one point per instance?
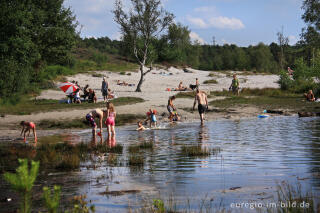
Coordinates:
(255, 153)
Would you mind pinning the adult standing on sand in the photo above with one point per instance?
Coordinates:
(96, 113)
(104, 89)
(202, 100)
(235, 85)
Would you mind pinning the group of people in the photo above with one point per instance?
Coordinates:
(200, 99)
(89, 94)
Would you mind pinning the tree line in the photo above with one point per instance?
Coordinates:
(36, 33)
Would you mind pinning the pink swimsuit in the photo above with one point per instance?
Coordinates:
(32, 125)
(110, 119)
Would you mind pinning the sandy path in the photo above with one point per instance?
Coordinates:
(154, 93)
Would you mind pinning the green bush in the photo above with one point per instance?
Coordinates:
(285, 81)
(22, 181)
(51, 72)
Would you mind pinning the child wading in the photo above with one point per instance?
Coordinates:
(27, 126)
(110, 122)
(140, 126)
(152, 117)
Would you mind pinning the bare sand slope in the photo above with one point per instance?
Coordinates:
(153, 92)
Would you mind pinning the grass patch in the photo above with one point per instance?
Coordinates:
(295, 103)
(191, 94)
(267, 98)
(122, 73)
(97, 75)
(59, 155)
(195, 151)
(186, 94)
(211, 81)
(269, 92)
(118, 149)
(33, 106)
(136, 160)
(212, 74)
(138, 147)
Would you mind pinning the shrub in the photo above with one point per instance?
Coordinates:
(285, 81)
(23, 181)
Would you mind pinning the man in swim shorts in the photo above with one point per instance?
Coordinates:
(201, 99)
(96, 113)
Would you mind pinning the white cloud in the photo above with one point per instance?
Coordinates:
(205, 9)
(226, 23)
(216, 22)
(292, 39)
(198, 22)
(196, 38)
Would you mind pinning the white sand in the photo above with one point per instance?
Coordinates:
(153, 92)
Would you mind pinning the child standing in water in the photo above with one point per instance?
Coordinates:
(27, 126)
(110, 122)
(152, 117)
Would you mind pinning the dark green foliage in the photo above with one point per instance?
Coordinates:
(285, 81)
(303, 77)
(23, 182)
(136, 160)
(33, 33)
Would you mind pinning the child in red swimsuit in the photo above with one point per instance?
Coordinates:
(27, 126)
(110, 121)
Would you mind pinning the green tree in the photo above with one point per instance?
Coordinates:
(23, 181)
(33, 33)
(140, 27)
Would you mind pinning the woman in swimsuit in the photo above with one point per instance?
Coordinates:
(27, 126)
(110, 122)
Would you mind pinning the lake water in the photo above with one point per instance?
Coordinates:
(255, 155)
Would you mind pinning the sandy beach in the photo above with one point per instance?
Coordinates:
(154, 92)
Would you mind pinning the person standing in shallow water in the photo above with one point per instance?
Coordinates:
(201, 99)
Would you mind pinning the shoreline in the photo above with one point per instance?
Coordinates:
(13, 134)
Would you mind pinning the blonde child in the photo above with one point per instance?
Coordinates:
(110, 121)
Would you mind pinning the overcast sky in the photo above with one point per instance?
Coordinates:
(240, 22)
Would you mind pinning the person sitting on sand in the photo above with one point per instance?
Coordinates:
(310, 96)
(96, 113)
(181, 87)
(173, 115)
(110, 121)
(140, 126)
(235, 85)
(152, 117)
(111, 94)
(92, 98)
(27, 126)
(77, 96)
(123, 83)
(85, 92)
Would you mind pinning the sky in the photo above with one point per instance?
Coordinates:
(240, 22)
